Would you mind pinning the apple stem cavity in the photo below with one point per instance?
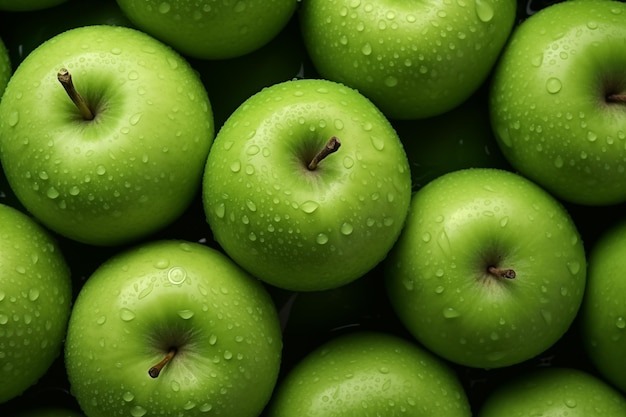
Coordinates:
(616, 98)
(331, 147)
(65, 78)
(156, 369)
(502, 272)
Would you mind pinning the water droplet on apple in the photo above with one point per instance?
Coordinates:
(212, 340)
(537, 60)
(175, 386)
(366, 49)
(484, 11)
(620, 323)
(126, 314)
(33, 294)
(220, 210)
(309, 206)
(547, 316)
(591, 136)
(558, 161)
(409, 284)
(205, 408)
(592, 25)
(391, 81)
(128, 396)
(553, 85)
(177, 275)
(346, 229)
(321, 239)
(138, 411)
(570, 403)
(251, 205)
(504, 221)
(101, 320)
(185, 314)
(450, 313)
(13, 118)
(52, 193)
(574, 267)
(348, 162)
(378, 143)
(235, 166)
(4, 319)
(164, 8)
(439, 289)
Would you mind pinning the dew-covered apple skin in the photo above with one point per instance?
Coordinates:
(549, 105)
(555, 391)
(370, 373)
(211, 29)
(437, 274)
(165, 294)
(412, 59)
(603, 313)
(293, 227)
(132, 169)
(35, 301)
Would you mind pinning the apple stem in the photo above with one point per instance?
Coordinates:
(331, 146)
(502, 272)
(65, 78)
(617, 98)
(156, 369)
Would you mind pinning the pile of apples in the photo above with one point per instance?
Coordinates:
(307, 208)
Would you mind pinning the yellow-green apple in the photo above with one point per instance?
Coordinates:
(412, 59)
(35, 301)
(307, 185)
(489, 270)
(603, 313)
(554, 391)
(369, 374)
(210, 29)
(172, 328)
(119, 155)
(558, 101)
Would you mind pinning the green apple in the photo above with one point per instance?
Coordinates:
(172, 328)
(6, 70)
(23, 32)
(603, 313)
(555, 392)
(307, 185)
(558, 101)
(125, 163)
(412, 59)
(210, 29)
(35, 300)
(489, 270)
(28, 5)
(369, 374)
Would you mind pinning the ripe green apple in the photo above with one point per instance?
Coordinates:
(35, 299)
(128, 164)
(307, 185)
(412, 59)
(369, 374)
(489, 270)
(209, 29)
(172, 328)
(554, 392)
(558, 101)
(603, 312)
(28, 5)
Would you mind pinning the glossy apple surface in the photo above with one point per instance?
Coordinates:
(130, 170)
(211, 29)
(35, 301)
(489, 270)
(180, 297)
(603, 314)
(299, 228)
(555, 392)
(558, 101)
(412, 59)
(369, 374)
